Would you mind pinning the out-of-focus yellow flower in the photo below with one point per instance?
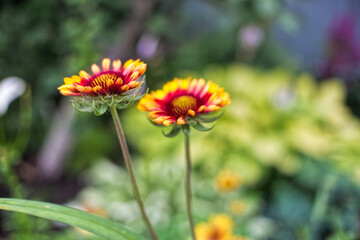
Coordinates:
(223, 222)
(227, 181)
(237, 207)
(183, 101)
(96, 210)
(239, 238)
(219, 227)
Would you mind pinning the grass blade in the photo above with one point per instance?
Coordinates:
(95, 224)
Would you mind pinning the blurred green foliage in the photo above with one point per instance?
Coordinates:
(283, 133)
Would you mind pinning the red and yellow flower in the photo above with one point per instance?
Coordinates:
(108, 81)
(118, 85)
(183, 101)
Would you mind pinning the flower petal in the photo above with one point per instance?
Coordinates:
(95, 69)
(84, 74)
(180, 121)
(117, 65)
(124, 88)
(106, 64)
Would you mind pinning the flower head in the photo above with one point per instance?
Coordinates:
(184, 102)
(219, 227)
(343, 53)
(227, 181)
(118, 85)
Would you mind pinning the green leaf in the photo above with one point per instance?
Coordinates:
(103, 227)
(202, 128)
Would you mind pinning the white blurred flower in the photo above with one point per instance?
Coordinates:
(147, 46)
(250, 37)
(284, 99)
(123, 211)
(10, 89)
(261, 227)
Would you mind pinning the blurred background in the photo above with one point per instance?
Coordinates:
(282, 163)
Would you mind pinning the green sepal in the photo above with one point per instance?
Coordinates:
(99, 104)
(140, 89)
(191, 121)
(210, 117)
(125, 103)
(127, 100)
(174, 131)
(83, 106)
(141, 95)
(198, 126)
(112, 102)
(100, 109)
(186, 129)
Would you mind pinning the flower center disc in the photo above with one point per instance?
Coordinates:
(181, 105)
(101, 79)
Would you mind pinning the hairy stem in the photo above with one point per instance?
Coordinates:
(188, 185)
(130, 169)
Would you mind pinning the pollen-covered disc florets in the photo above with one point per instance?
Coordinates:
(185, 102)
(116, 84)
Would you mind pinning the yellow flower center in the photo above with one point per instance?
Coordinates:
(216, 234)
(180, 106)
(103, 78)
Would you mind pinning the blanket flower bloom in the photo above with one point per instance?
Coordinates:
(181, 104)
(184, 102)
(117, 85)
(111, 88)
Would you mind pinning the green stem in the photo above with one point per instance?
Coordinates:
(321, 203)
(2, 132)
(130, 169)
(188, 185)
(10, 177)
